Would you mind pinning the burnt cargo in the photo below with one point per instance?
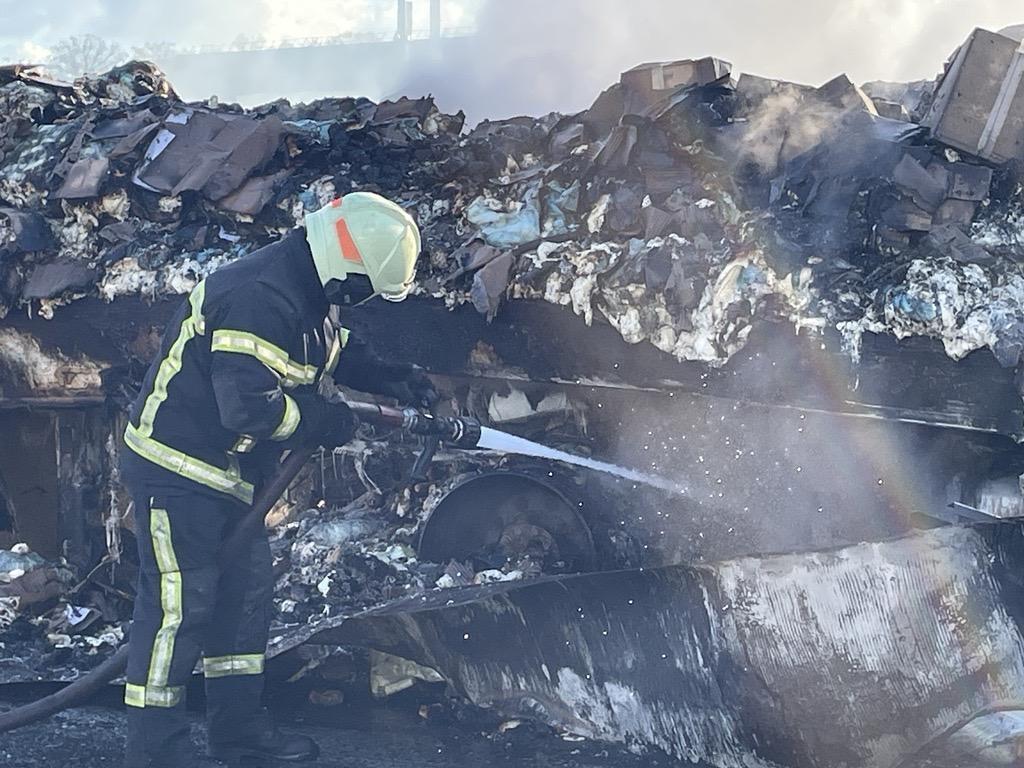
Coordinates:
(979, 105)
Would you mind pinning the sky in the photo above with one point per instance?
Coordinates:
(36, 24)
(533, 56)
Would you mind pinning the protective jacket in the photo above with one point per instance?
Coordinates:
(219, 403)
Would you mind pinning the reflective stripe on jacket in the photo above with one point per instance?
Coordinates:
(217, 403)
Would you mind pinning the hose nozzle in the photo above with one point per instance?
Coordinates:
(457, 431)
(460, 432)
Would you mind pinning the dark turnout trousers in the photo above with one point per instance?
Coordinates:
(191, 606)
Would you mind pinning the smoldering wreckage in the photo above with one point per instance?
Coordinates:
(802, 305)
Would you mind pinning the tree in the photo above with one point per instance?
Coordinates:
(85, 55)
(249, 43)
(155, 52)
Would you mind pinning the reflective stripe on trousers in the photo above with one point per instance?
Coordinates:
(227, 666)
(156, 692)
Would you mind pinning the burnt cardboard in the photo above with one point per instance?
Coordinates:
(979, 105)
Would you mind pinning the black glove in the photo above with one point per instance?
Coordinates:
(326, 423)
(410, 385)
(362, 369)
(422, 388)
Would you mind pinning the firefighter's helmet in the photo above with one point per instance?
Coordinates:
(365, 234)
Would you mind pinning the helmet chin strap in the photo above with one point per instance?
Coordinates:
(350, 292)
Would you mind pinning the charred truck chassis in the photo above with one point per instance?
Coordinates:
(858, 657)
(686, 635)
(788, 447)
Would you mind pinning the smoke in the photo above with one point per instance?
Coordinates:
(784, 113)
(536, 56)
(188, 23)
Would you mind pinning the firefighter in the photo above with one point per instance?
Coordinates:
(236, 383)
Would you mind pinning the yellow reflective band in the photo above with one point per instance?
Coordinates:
(333, 357)
(339, 343)
(271, 355)
(191, 326)
(227, 481)
(141, 696)
(290, 421)
(228, 666)
(170, 598)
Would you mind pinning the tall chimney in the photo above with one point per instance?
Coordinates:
(435, 19)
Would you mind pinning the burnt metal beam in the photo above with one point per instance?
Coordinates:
(73, 402)
(911, 380)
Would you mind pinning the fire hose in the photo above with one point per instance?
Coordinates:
(450, 430)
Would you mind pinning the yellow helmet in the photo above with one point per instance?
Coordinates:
(365, 234)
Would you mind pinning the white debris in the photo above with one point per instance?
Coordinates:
(495, 576)
(965, 306)
(117, 205)
(110, 636)
(324, 587)
(595, 221)
(334, 533)
(711, 331)
(127, 278)
(1007, 232)
(26, 362)
(8, 611)
(398, 556)
(77, 234)
(169, 204)
(508, 224)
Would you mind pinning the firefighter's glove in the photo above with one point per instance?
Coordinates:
(410, 385)
(327, 423)
(422, 388)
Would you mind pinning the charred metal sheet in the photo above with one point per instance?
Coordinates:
(579, 653)
(992, 739)
(910, 379)
(872, 650)
(859, 657)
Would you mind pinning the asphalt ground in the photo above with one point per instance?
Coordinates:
(358, 735)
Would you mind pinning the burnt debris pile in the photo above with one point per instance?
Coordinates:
(681, 207)
(687, 205)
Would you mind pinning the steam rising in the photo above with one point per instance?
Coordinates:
(536, 56)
